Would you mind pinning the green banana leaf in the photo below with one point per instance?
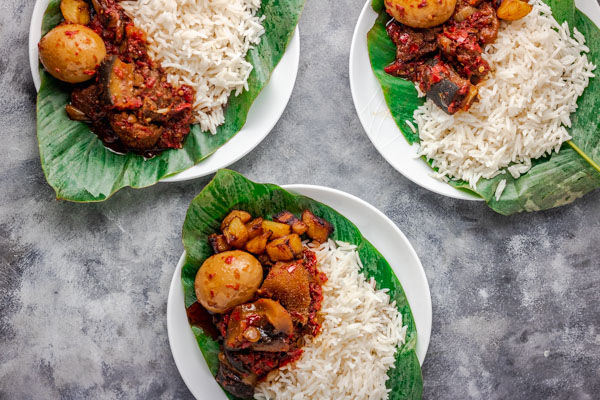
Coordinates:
(552, 181)
(230, 190)
(80, 168)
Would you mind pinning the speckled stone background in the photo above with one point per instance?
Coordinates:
(83, 287)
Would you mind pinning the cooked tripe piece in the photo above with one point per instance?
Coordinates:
(289, 283)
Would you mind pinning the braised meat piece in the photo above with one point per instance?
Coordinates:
(113, 17)
(412, 43)
(133, 133)
(239, 371)
(257, 363)
(463, 10)
(466, 51)
(289, 283)
(463, 37)
(87, 101)
(486, 21)
(407, 70)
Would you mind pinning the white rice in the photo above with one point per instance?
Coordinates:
(499, 189)
(538, 72)
(203, 44)
(360, 333)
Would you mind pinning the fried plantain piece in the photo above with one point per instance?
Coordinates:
(254, 228)
(218, 243)
(236, 233)
(286, 217)
(258, 244)
(242, 215)
(277, 228)
(318, 228)
(285, 248)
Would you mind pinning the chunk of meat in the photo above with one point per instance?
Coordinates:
(257, 363)
(113, 17)
(465, 49)
(487, 22)
(133, 133)
(412, 43)
(289, 283)
(87, 100)
(462, 39)
(463, 11)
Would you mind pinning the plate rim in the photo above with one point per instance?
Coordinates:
(291, 56)
(589, 8)
(423, 327)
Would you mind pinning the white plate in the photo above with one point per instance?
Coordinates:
(262, 117)
(373, 224)
(377, 119)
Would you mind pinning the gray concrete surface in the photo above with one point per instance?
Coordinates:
(83, 288)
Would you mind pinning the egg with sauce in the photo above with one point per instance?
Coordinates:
(420, 13)
(227, 279)
(72, 52)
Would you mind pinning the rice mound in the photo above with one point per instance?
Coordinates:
(203, 44)
(538, 72)
(361, 331)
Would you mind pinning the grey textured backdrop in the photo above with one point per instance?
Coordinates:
(83, 288)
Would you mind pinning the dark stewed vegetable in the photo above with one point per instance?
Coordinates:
(134, 133)
(238, 383)
(118, 78)
(446, 88)
(262, 326)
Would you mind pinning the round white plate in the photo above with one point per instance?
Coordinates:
(377, 120)
(262, 117)
(373, 224)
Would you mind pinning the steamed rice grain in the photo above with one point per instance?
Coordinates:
(203, 44)
(360, 334)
